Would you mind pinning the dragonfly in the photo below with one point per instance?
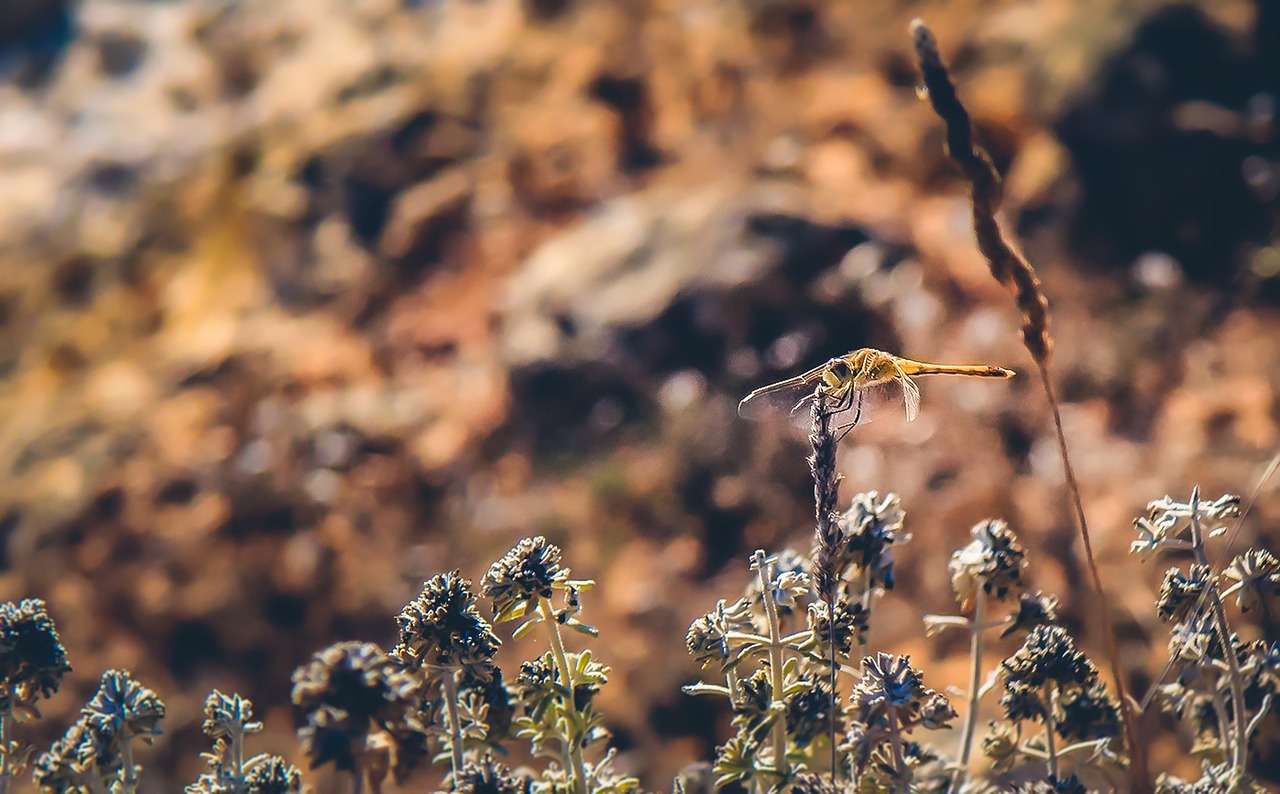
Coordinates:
(853, 384)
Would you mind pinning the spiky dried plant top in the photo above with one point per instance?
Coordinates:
(526, 573)
(32, 659)
(95, 745)
(993, 560)
(350, 699)
(443, 628)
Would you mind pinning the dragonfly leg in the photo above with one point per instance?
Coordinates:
(845, 428)
(842, 403)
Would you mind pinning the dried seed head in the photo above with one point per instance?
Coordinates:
(490, 776)
(526, 573)
(351, 697)
(993, 560)
(443, 628)
(1007, 265)
(32, 659)
(1180, 593)
(707, 637)
(1034, 609)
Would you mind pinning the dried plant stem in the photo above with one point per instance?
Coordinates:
(129, 784)
(826, 486)
(900, 767)
(1051, 727)
(975, 687)
(1240, 747)
(449, 683)
(237, 759)
(1137, 751)
(1011, 269)
(6, 728)
(777, 682)
(573, 750)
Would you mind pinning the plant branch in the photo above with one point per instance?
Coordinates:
(775, 665)
(1240, 748)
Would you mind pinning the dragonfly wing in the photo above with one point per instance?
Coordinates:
(910, 397)
(781, 400)
(910, 391)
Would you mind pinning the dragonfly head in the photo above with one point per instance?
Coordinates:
(837, 372)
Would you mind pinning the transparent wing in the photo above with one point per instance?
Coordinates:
(910, 393)
(795, 405)
(886, 398)
(780, 400)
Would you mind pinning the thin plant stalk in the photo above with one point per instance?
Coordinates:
(449, 683)
(775, 665)
(895, 742)
(1051, 728)
(826, 485)
(1240, 747)
(130, 783)
(6, 727)
(1220, 710)
(237, 759)
(574, 760)
(735, 688)
(1009, 267)
(975, 687)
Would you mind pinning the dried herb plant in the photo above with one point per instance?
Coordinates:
(1011, 268)
(32, 664)
(1224, 685)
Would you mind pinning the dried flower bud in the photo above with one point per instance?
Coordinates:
(93, 747)
(272, 774)
(526, 573)
(993, 560)
(809, 711)
(1180, 593)
(1049, 655)
(228, 716)
(868, 530)
(443, 628)
(707, 637)
(351, 699)
(1258, 573)
(851, 620)
(489, 776)
(1088, 713)
(32, 659)
(1036, 609)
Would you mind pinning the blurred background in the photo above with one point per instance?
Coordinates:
(303, 301)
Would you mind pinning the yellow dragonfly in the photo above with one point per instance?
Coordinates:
(852, 384)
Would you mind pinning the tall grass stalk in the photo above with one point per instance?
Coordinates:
(1012, 269)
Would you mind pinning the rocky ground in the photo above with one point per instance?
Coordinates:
(302, 301)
